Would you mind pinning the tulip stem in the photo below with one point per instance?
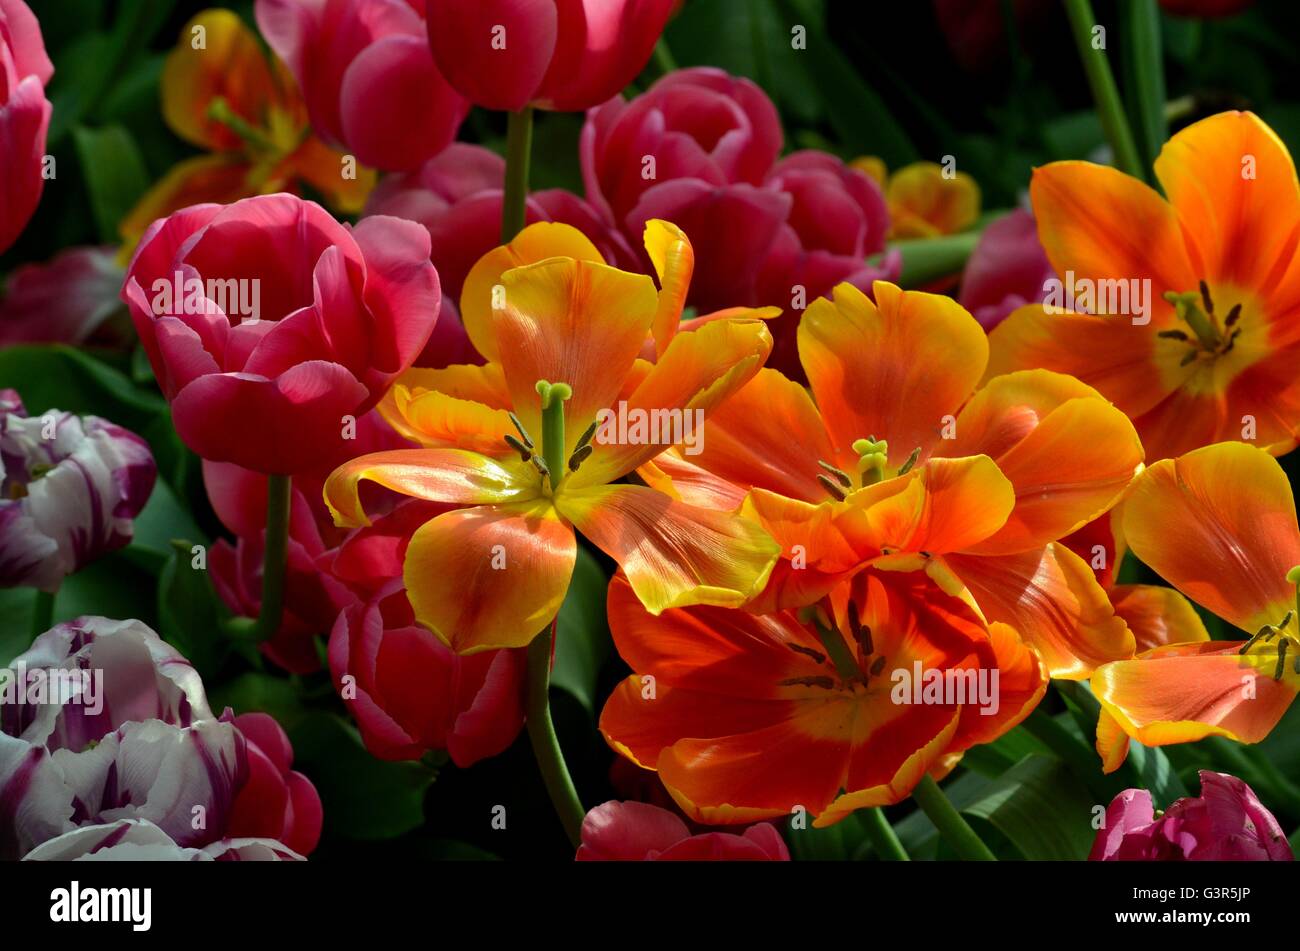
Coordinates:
(955, 830)
(42, 612)
(519, 145)
(279, 497)
(883, 838)
(546, 745)
(1110, 109)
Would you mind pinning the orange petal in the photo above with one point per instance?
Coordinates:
(674, 554)
(1022, 681)
(716, 650)
(535, 243)
(674, 261)
(1233, 186)
(1157, 615)
(1219, 524)
(320, 166)
(491, 576)
(1052, 599)
(672, 474)
(220, 179)
(1186, 692)
(230, 65)
(944, 505)
(893, 369)
(456, 407)
(1067, 452)
(575, 322)
(1101, 224)
(1112, 742)
(438, 475)
(1111, 354)
(699, 370)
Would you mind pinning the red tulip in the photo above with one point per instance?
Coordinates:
(271, 327)
(566, 55)
(24, 117)
(410, 693)
(366, 72)
(276, 802)
(637, 832)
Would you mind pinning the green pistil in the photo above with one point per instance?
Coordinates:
(873, 457)
(1189, 308)
(837, 650)
(219, 111)
(553, 396)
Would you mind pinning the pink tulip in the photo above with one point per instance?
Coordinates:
(410, 693)
(1007, 269)
(638, 832)
(298, 327)
(566, 55)
(1227, 822)
(66, 300)
(24, 117)
(70, 488)
(366, 72)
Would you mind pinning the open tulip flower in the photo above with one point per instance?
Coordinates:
(1185, 309)
(244, 109)
(748, 717)
(1220, 525)
(518, 442)
(898, 459)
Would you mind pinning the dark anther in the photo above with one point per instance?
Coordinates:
(1233, 315)
(523, 433)
(1282, 645)
(835, 491)
(878, 666)
(1173, 335)
(861, 632)
(579, 457)
(1205, 298)
(524, 452)
(840, 475)
(817, 656)
(911, 461)
(586, 438)
(1188, 358)
(824, 682)
(540, 463)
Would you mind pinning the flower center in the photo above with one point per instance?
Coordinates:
(1275, 647)
(872, 467)
(1211, 335)
(852, 669)
(549, 459)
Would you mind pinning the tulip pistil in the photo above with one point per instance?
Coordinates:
(553, 396)
(1196, 310)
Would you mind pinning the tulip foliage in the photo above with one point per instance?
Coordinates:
(628, 430)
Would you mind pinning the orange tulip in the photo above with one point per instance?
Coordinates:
(1193, 301)
(524, 442)
(1219, 524)
(221, 93)
(749, 718)
(897, 460)
(924, 201)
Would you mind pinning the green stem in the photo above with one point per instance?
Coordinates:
(968, 846)
(883, 838)
(220, 111)
(43, 612)
(546, 745)
(1110, 108)
(519, 144)
(664, 57)
(279, 498)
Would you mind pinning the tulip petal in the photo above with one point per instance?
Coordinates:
(699, 370)
(1051, 597)
(436, 475)
(1067, 452)
(674, 261)
(1220, 525)
(537, 242)
(1186, 692)
(494, 52)
(490, 576)
(1157, 615)
(674, 554)
(877, 369)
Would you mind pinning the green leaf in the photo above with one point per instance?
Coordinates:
(115, 175)
(254, 692)
(1144, 76)
(16, 606)
(189, 611)
(1041, 808)
(836, 843)
(60, 377)
(363, 797)
(113, 586)
(582, 642)
(159, 523)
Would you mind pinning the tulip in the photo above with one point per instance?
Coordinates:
(71, 487)
(24, 117)
(369, 79)
(1225, 823)
(276, 803)
(566, 55)
(141, 840)
(67, 300)
(411, 694)
(1007, 270)
(1175, 306)
(331, 315)
(104, 722)
(636, 832)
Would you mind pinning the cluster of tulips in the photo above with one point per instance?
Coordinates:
(854, 531)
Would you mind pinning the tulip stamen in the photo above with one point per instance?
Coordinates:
(832, 488)
(817, 656)
(524, 452)
(1196, 310)
(840, 475)
(523, 433)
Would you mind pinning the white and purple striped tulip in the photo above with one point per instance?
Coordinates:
(133, 840)
(70, 487)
